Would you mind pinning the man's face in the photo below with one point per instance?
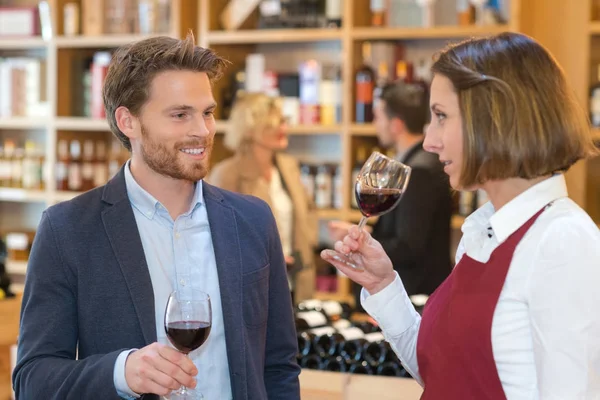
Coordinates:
(383, 124)
(177, 125)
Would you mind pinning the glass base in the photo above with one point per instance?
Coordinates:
(345, 258)
(184, 394)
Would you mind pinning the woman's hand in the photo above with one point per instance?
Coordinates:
(366, 253)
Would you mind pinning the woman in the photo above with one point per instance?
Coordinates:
(257, 135)
(518, 317)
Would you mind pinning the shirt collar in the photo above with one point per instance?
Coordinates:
(146, 203)
(516, 212)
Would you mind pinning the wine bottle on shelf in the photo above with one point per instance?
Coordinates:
(306, 320)
(365, 82)
(312, 361)
(362, 368)
(335, 364)
(62, 165)
(375, 349)
(333, 13)
(391, 369)
(305, 344)
(378, 12)
(382, 79)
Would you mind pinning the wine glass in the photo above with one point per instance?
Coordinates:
(379, 187)
(188, 319)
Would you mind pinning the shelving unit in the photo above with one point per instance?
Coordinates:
(531, 17)
(273, 36)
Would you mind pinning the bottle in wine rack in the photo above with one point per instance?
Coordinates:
(365, 83)
(312, 361)
(335, 364)
(391, 369)
(362, 368)
(305, 344)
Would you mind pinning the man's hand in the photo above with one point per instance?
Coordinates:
(159, 369)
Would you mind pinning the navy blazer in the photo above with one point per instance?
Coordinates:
(88, 289)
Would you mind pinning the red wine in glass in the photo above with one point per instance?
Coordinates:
(378, 189)
(187, 336)
(373, 202)
(188, 321)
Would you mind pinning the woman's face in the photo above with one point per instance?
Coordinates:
(444, 135)
(273, 134)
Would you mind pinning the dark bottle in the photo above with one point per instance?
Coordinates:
(305, 343)
(312, 361)
(333, 13)
(326, 343)
(375, 348)
(335, 364)
(365, 82)
(391, 369)
(361, 368)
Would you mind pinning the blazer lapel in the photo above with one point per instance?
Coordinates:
(228, 256)
(121, 228)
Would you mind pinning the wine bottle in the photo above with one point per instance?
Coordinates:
(309, 319)
(391, 369)
(365, 81)
(360, 368)
(312, 361)
(325, 341)
(350, 343)
(305, 343)
(335, 364)
(375, 348)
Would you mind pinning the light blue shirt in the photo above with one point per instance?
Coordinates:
(180, 256)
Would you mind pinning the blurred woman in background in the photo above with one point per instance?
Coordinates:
(257, 134)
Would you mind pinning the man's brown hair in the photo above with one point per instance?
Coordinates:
(520, 116)
(134, 66)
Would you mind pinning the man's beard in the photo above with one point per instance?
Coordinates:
(165, 161)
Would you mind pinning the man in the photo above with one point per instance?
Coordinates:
(102, 265)
(415, 234)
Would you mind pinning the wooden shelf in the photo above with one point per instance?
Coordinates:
(23, 123)
(82, 124)
(101, 41)
(16, 267)
(22, 43)
(22, 195)
(438, 32)
(297, 129)
(595, 28)
(363, 130)
(273, 36)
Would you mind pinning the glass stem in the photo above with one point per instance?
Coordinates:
(363, 221)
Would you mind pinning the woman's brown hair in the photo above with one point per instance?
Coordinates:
(520, 116)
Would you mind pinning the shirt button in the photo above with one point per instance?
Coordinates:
(182, 282)
(177, 235)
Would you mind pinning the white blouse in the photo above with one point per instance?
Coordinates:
(546, 326)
